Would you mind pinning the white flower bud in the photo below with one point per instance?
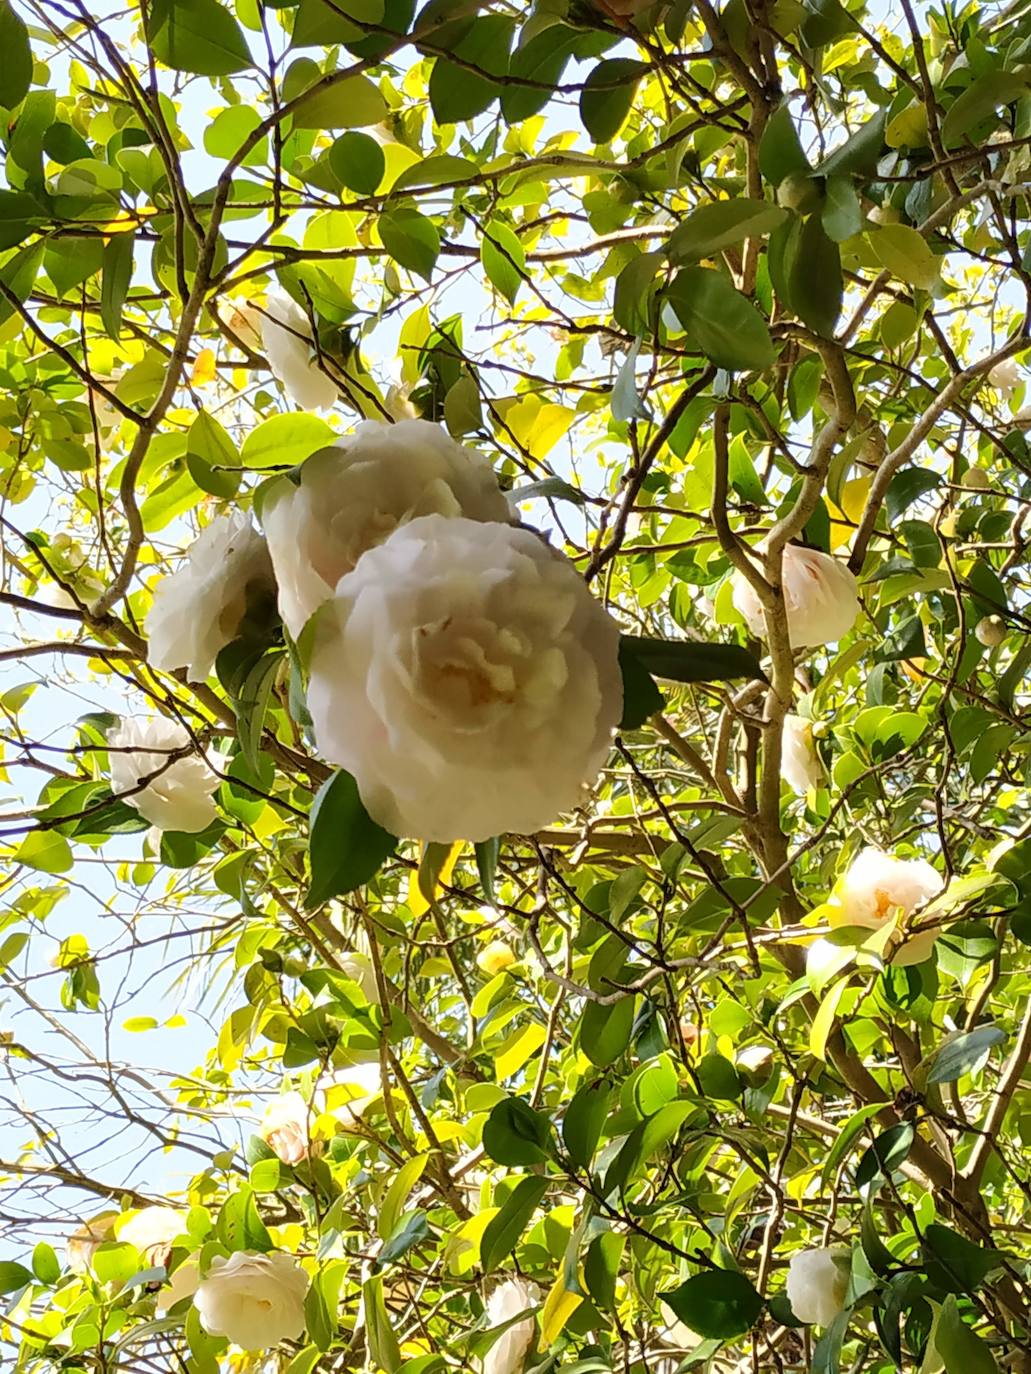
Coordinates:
(466, 678)
(1005, 376)
(799, 764)
(182, 1284)
(817, 1284)
(198, 609)
(820, 596)
(286, 333)
(284, 1127)
(255, 1301)
(508, 1353)
(178, 795)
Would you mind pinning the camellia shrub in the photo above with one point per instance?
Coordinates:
(517, 852)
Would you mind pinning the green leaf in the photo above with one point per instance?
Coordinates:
(860, 153)
(720, 322)
(979, 101)
(15, 57)
(410, 1233)
(197, 36)
(18, 275)
(805, 268)
(115, 279)
(209, 452)
(687, 661)
(633, 301)
(19, 213)
(46, 851)
(641, 697)
(842, 213)
(45, 1264)
(487, 865)
(608, 96)
(463, 411)
(954, 1263)
(605, 1029)
(711, 228)
(383, 1345)
(348, 104)
(548, 488)
(515, 1134)
(719, 1304)
(503, 258)
(239, 1225)
(322, 1302)
(13, 1276)
(780, 150)
(583, 1120)
(543, 59)
(319, 23)
(906, 255)
(718, 1078)
(115, 1262)
(358, 161)
(286, 440)
(345, 846)
(503, 1230)
(397, 1194)
(457, 93)
(411, 240)
(961, 1350)
(250, 704)
(962, 1053)
(888, 1152)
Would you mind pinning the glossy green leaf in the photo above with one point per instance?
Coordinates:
(345, 845)
(199, 36)
(503, 1230)
(411, 240)
(15, 57)
(720, 322)
(719, 1304)
(608, 96)
(711, 228)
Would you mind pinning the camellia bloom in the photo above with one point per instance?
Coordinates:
(177, 795)
(200, 607)
(817, 1284)
(81, 1244)
(820, 595)
(508, 1353)
(284, 1127)
(878, 884)
(466, 678)
(253, 1300)
(350, 1091)
(152, 1231)
(1005, 376)
(358, 967)
(351, 496)
(799, 764)
(290, 348)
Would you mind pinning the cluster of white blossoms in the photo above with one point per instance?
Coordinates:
(459, 668)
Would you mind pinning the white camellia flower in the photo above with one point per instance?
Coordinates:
(820, 595)
(1005, 376)
(253, 1300)
(82, 1243)
(290, 348)
(183, 1284)
(466, 678)
(200, 607)
(284, 1127)
(358, 967)
(349, 1092)
(508, 1353)
(152, 1231)
(179, 795)
(817, 1284)
(799, 763)
(350, 497)
(875, 886)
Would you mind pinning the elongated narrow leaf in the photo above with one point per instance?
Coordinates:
(964, 1052)
(503, 1231)
(114, 281)
(687, 661)
(711, 228)
(15, 57)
